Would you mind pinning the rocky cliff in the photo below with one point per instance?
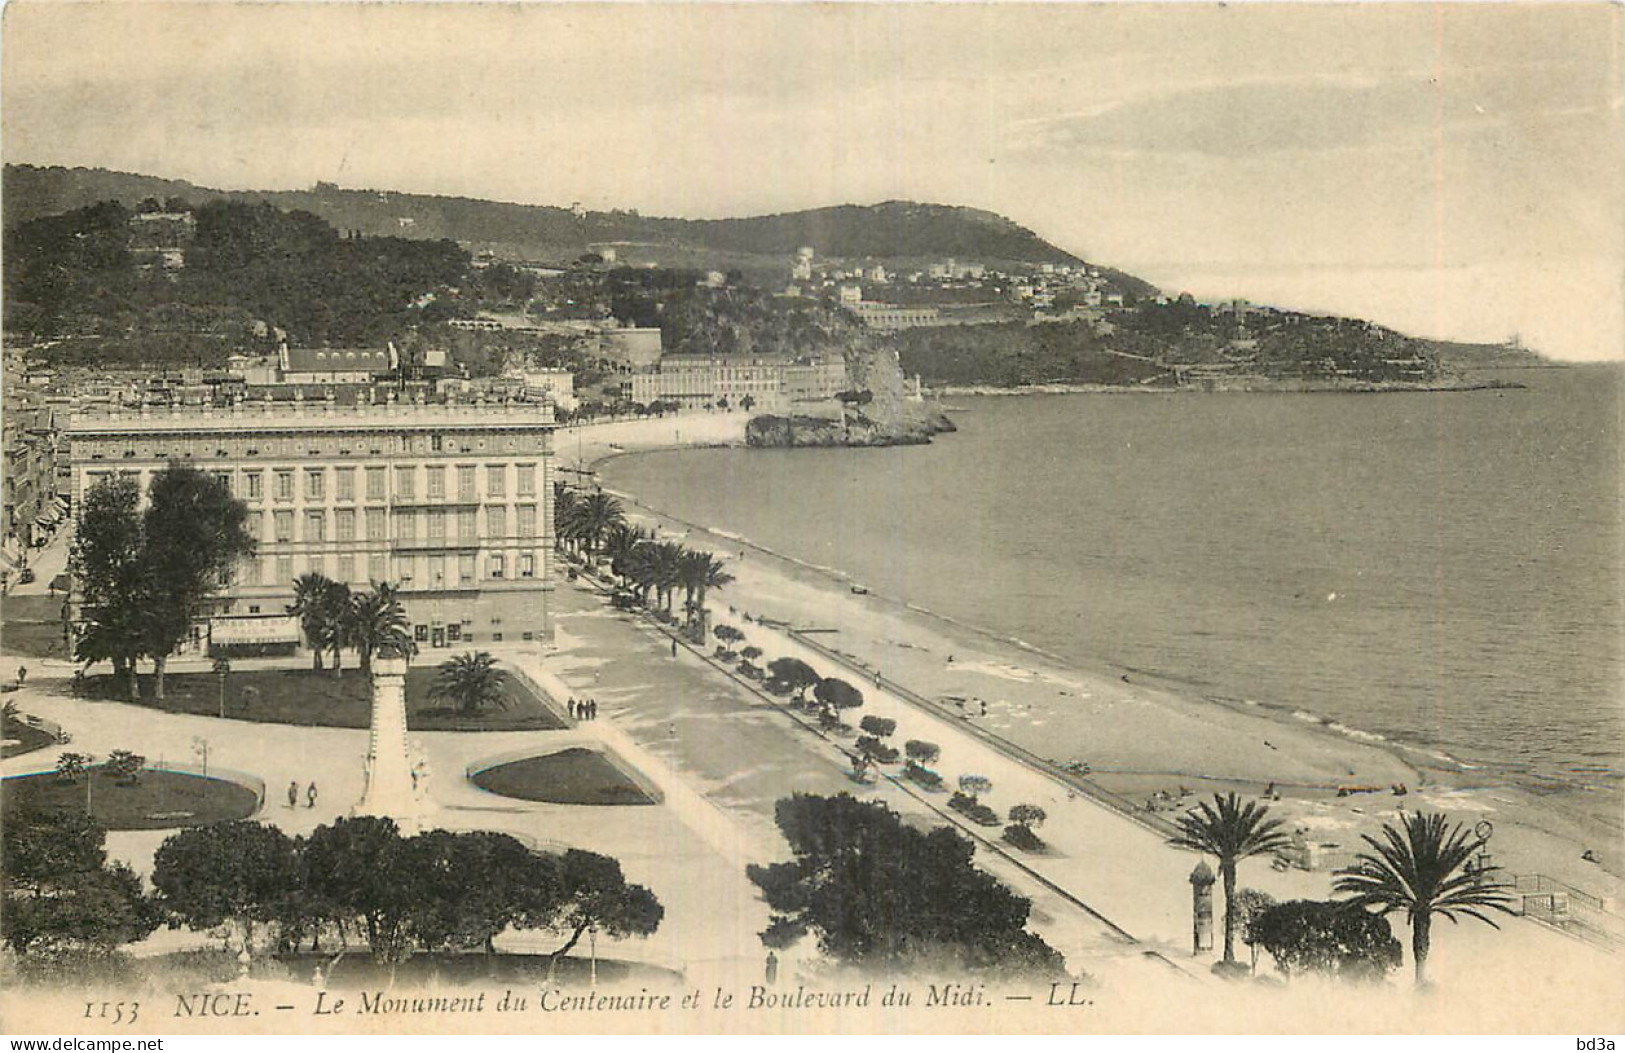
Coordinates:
(848, 428)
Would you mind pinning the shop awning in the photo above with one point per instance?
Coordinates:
(277, 629)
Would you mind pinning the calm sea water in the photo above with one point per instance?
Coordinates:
(1442, 569)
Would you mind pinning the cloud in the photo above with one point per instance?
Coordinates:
(1243, 119)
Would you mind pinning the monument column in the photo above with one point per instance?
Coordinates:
(390, 791)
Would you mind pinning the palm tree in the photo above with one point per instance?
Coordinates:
(1231, 832)
(712, 576)
(641, 570)
(1423, 870)
(668, 556)
(378, 620)
(593, 516)
(564, 513)
(619, 541)
(470, 680)
(311, 595)
(338, 623)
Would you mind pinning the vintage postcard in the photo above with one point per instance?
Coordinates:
(884, 518)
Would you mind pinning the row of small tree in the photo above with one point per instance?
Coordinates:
(332, 618)
(144, 574)
(831, 695)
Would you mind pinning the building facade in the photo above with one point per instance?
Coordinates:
(451, 500)
(769, 382)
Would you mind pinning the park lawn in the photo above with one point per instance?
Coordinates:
(159, 800)
(572, 776)
(22, 737)
(32, 627)
(319, 699)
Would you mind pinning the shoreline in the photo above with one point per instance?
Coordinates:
(1138, 733)
(1284, 388)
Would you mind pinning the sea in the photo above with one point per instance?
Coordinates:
(1439, 570)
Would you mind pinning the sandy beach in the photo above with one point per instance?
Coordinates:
(1143, 740)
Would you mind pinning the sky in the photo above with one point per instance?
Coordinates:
(1451, 170)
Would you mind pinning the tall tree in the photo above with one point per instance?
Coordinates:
(699, 572)
(106, 565)
(593, 516)
(1232, 832)
(1424, 868)
(474, 885)
(596, 895)
(876, 892)
(58, 893)
(237, 871)
(195, 533)
(312, 604)
(377, 621)
(361, 868)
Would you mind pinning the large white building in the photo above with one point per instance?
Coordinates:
(768, 382)
(451, 500)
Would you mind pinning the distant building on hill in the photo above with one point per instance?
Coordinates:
(891, 317)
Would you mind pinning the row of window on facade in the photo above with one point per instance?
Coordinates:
(377, 482)
(406, 444)
(412, 572)
(409, 525)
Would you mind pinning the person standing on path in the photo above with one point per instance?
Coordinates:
(22, 674)
(674, 648)
(293, 794)
(310, 796)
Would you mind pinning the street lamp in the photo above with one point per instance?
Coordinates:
(200, 749)
(222, 667)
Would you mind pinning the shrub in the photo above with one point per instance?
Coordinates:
(726, 655)
(1023, 838)
(975, 810)
(876, 750)
(1028, 816)
(975, 785)
(833, 691)
(922, 751)
(775, 686)
(748, 670)
(70, 766)
(878, 726)
(124, 765)
(922, 775)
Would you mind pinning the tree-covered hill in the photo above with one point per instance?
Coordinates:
(893, 230)
(80, 275)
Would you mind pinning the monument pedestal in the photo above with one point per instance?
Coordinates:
(391, 791)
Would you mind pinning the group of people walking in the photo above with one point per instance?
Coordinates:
(586, 709)
(293, 795)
